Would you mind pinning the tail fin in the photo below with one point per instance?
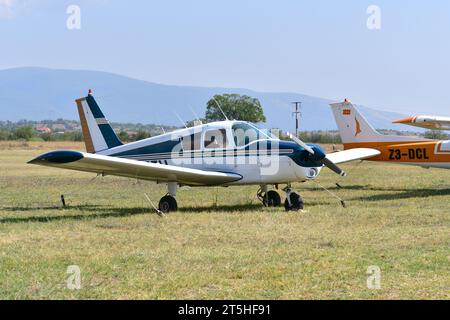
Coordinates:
(98, 133)
(354, 128)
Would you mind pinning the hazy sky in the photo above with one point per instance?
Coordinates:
(321, 48)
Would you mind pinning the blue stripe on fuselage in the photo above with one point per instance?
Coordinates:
(167, 150)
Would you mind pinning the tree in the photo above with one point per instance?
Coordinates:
(236, 107)
(47, 136)
(196, 122)
(4, 135)
(436, 135)
(124, 136)
(141, 135)
(24, 133)
(320, 137)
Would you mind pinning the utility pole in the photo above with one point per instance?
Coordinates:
(297, 113)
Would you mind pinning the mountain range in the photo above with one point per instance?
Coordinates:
(40, 93)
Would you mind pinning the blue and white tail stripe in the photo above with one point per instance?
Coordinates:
(98, 133)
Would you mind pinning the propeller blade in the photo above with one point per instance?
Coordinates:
(325, 161)
(301, 143)
(332, 166)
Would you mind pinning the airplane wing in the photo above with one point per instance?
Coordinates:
(427, 122)
(352, 154)
(87, 162)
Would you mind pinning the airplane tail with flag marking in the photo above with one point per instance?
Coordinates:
(355, 129)
(98, 133)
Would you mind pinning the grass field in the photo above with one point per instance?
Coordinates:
(222, 243)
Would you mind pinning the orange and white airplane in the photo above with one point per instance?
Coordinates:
(427, 122)
(356, 132)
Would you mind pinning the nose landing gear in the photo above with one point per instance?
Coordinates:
(293, 200)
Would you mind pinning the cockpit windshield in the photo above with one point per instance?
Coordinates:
(245, 133)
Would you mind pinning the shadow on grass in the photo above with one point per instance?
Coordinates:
(223, 208)
(90, 212)
(389, 194)
(97, 212)
(404, 194)
(101, 212)
(87, 207)
(365, 188)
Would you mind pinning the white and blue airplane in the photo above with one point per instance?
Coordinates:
(225, 153)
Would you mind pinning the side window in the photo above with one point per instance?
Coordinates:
(244, 134)
(216, 139)
(191, 142)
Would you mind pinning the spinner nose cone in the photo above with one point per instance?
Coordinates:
(319, 153)
(405, 120)
(57, 157)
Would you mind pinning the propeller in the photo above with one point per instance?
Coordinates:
(325, 161)
(301, 143)
(332, 166)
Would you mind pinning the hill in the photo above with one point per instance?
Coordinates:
(39, 93)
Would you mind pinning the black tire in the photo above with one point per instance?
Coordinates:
(168, 204)
(296, 203)
(272, 199)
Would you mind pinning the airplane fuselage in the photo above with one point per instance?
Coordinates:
(428, 154)
(267, 161)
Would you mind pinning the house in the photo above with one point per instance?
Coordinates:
(43, 129)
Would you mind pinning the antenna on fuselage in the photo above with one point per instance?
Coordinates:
(220, 108)
(161, 127)
(196, 116)
(181, 120)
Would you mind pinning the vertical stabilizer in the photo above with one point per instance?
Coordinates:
(354, 127)
(98, 133)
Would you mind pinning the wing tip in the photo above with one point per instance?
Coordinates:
(57, 157)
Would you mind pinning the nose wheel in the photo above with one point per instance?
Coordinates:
(294, 201)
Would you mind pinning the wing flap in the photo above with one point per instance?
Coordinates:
(352, 154)
(87, 162)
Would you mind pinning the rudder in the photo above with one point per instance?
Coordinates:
(98, 133)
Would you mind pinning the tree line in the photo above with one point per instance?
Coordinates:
(28, 133)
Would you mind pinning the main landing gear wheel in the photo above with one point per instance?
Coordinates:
(272, 199)
(268, 198)
(295, 203)
(168, 204)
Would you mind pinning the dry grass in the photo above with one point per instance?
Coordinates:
(397, 218)
(38, 145)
